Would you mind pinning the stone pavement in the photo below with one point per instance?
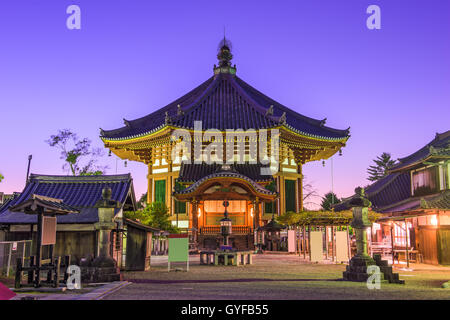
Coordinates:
(93, 294)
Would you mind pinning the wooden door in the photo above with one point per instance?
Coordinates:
(428, 245)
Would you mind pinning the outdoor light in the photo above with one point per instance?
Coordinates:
(340, 152)
(225, 224)
(323, 163)
(125, 164)
(109, 153)
(434, 221)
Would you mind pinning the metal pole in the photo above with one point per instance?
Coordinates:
(28, 169)
(332, 183)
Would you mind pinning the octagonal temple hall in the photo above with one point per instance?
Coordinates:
(194, 191)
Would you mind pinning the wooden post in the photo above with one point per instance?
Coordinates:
(195, 220)
(326, 242)
(18, 273)
(256, 212)
(333, 242)
(406, 243)
(38, 263)
(150, 184)
(300, 188)
(349, 245)
(31, 272)
(392, 242)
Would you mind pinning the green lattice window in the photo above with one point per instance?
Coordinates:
(271, 207)
(160, 191)
(289, 194)
(180, 206)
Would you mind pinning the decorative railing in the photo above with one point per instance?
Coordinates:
(216, 230)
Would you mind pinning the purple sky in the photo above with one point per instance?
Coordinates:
(392, 86)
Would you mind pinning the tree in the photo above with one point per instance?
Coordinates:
(289, 218)
(328, 200)
(309, 193)
(1, 177)
(155, 215)
(142, 203)
(77, 153)
(382, 164)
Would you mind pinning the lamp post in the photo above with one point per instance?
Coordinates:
(225, 224)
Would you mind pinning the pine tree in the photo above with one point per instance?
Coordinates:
(328, 200)
(382, 164)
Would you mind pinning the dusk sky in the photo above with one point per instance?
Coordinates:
(391, 86)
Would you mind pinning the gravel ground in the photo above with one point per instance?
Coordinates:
(275, 277)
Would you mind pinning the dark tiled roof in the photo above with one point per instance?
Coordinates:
(189, 173)
(229, 173)
(439, 147)
(50, 205)
(225, 102)
(440, 201)
(81, 192)
(393, 188)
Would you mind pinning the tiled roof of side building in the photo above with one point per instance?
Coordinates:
(393, 188)
(225, 102)
(81, 192)
(439, 147)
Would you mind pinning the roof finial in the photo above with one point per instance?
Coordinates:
(224, 54)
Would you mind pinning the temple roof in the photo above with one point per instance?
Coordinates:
(222, 102)
(80, 192)
(438, 148)
(190, 173)
(226, 173)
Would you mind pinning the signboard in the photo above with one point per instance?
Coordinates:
(316, 246)
(341, 246)
(291, 240)
(14, 246)
(178, 249)
(48, 230)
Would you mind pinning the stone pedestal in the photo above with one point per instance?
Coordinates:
(104, 267)
(357, 268)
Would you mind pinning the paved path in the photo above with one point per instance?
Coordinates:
(275, 277)
(92, 294)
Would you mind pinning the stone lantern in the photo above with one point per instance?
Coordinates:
(225, 224)
(104, 266)
(357, 268)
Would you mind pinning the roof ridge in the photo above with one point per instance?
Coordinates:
(253, 103)
(69, 178)
(281, 106)
(161, 111)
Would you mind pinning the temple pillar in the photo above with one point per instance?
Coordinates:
(150, 184)
(195, 220)
(300, 189)
(256, 211)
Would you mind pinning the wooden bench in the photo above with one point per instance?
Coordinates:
(226, 258)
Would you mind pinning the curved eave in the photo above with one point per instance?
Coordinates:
(149, 134)
(312, 136)
(417, 163)
(191, 190)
